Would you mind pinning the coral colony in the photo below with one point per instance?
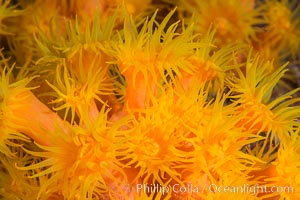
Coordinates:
(129, 99)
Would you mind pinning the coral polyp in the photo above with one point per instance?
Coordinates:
(149, 100)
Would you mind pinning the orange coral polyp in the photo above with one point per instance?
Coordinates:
(205, 71)
(138, 91)
(280, 16)
(151, 102)
(161, 146)
(233, 19)
(283, 32)
(83, 162)
(258, 115)
(24, 112)
(36, 118)
(157, 145)
(142, 77)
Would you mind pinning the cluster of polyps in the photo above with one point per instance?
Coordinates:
(94, 99)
